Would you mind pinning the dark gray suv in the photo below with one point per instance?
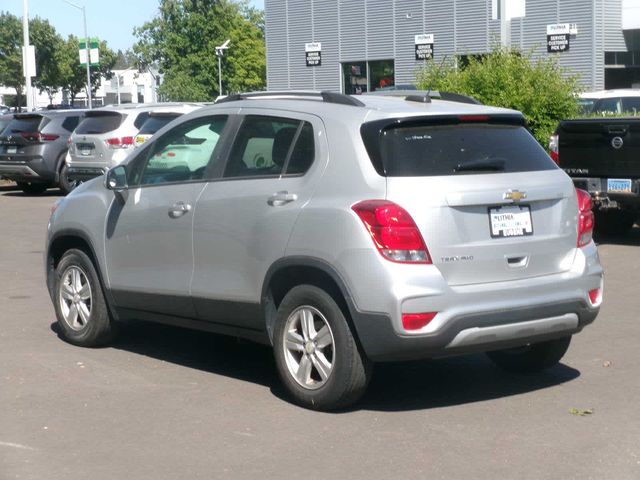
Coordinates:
(33, 147)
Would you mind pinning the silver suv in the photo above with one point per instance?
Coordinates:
(340, 230)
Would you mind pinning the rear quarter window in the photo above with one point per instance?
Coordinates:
(99, 124)
(457, 149)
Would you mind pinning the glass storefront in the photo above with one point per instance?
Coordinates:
(362, 77)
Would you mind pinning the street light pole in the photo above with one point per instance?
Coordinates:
(25, 56)
(87, 48)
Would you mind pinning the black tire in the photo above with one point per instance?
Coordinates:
(32, 188)
(531, 358)
(614, 222)
(93, 329)
(66, 185)
(350, 371)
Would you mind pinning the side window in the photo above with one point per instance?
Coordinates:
(180, 155)
(262, 146)
(608, 105)
(140, 119)
(303, 152)
(631, 105)
(70, 123)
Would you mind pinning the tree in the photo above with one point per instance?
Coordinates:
(543, 91)
(126, 59)
(182, 41)
(73, 75)
(47, 42)
(11, 54)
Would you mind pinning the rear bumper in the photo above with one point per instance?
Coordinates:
(470, 318)
(27, 169)
(603, 199)
(84, 173)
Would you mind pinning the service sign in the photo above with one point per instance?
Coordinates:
(558, 37)
(424, 46)
(313, 54)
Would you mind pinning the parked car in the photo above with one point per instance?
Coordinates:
(608, 102)
(4, 110)
(341, 230)
(106, 136)
(157, 119)
(4, 121)
(33, 147)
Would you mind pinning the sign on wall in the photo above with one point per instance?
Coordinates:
(313, 54)
(558, 37)
(424, 46)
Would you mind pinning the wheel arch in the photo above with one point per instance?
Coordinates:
(286, 273)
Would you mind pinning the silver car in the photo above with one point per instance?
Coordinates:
(342, 231)
(107, 135)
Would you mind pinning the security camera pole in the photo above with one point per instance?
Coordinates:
(220, 52)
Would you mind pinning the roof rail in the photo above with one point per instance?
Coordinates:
(326, 96)
(424, 96)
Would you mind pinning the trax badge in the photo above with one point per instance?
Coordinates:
(515, 195)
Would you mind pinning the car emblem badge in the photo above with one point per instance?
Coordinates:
(515, 195)
(617, 142)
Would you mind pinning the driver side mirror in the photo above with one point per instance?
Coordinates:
(116, 179)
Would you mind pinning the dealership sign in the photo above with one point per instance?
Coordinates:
(313, 54)
(558, 36)
(424, 46)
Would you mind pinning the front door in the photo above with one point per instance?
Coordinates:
(149, 237)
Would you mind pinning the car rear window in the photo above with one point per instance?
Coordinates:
(459, 149)
(156, 122)
(24, 124)
(100, 122)
(140, 119)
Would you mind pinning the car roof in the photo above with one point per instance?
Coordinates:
(145, 106)
(615, 93)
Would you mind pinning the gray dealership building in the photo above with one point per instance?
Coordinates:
(362, 45)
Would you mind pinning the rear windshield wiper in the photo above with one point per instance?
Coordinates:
(480, 165)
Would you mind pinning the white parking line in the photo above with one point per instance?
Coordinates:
(15, 445)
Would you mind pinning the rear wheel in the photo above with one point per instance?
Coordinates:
(81, 309)
(531, 358)
(616, 222)
(317, 357)
(64, 183)
(32, 188)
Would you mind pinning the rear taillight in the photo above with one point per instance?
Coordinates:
(119, 142)
(38, 137)
(595, 297)
(393, 231)
(585, 217)
(553, 148)
(416, 321)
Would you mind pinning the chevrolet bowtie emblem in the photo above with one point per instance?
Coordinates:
(515, 195)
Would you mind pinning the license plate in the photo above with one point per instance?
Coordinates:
(11, 150)
(619, 185)
(510, 221)
(85, 153)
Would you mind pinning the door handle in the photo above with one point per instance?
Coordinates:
(281, 198)
(178, 209)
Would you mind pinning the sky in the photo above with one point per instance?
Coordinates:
(111, 20)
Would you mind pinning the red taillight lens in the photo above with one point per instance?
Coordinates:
(553, 148)
(585, 217)
(595, 297)
(416, 321)
(393, 231)
(44, 137)
(473, 118)
(119, 142)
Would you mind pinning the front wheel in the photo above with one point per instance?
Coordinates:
(531, 358)
(81, 309)
(317, 357)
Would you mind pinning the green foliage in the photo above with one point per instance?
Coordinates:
(538, 87)
(47, 42)
(182, 41)
(11, 53)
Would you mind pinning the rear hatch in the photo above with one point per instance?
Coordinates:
(153, 123)
(23, 136)
(602, 148)
(490, 203)
(94, 139)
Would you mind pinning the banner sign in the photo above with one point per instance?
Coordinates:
(313, 54)
(424, 46)
(93, 52)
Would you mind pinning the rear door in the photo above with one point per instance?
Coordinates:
(243, 219)
(490, 203)
(149, 238)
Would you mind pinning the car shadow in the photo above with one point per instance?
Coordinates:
(631, 238)
(403, 386)
(16, 192)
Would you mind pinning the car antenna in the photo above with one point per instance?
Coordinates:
(433, 79)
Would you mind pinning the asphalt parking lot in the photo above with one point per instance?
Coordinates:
(166, 403)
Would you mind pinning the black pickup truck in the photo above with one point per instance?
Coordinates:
(602, 155)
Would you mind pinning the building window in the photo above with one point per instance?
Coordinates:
(362, 77)
(622, 58)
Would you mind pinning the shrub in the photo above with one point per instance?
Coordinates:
(538, 87)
